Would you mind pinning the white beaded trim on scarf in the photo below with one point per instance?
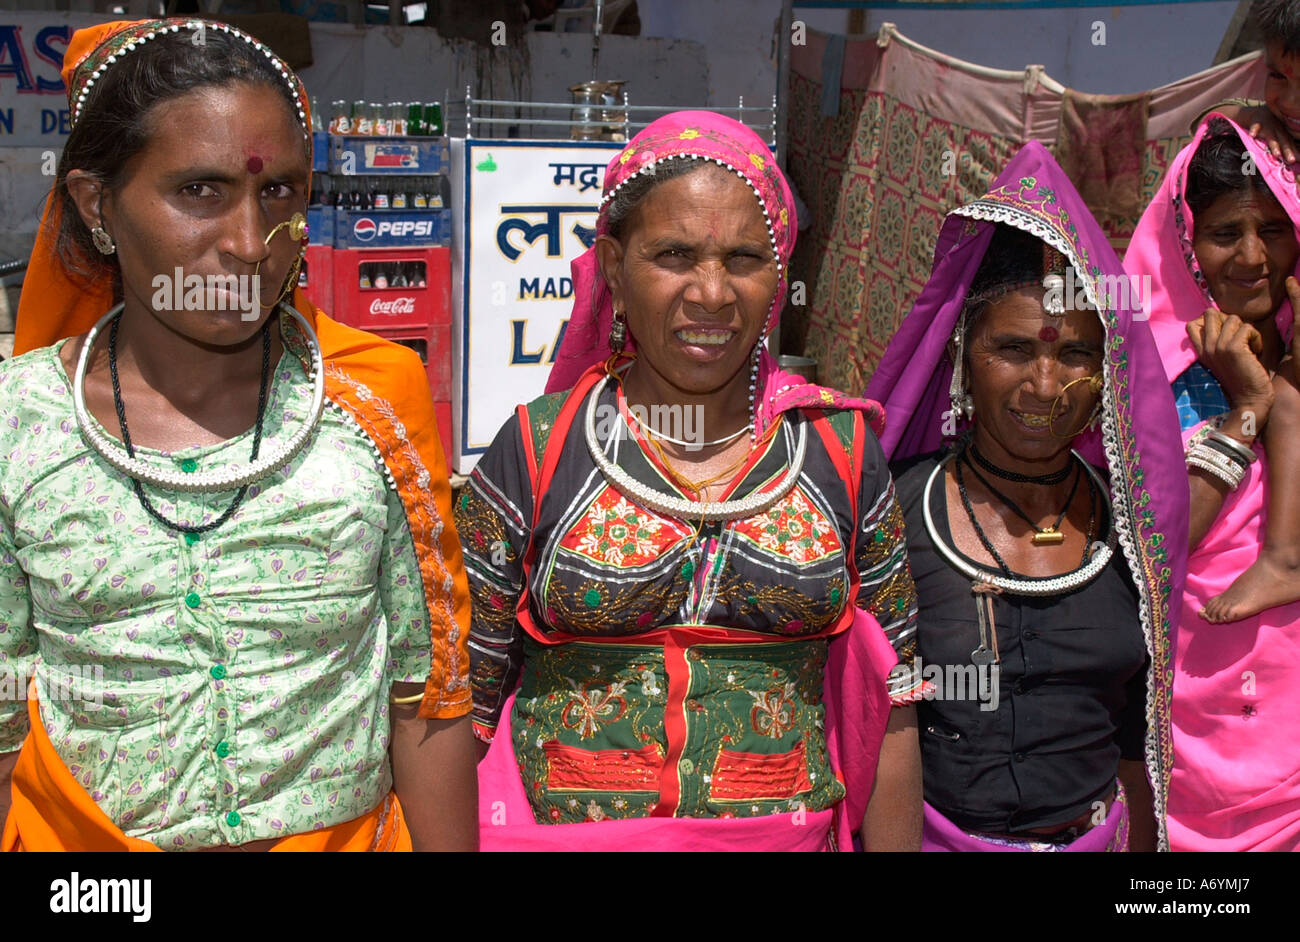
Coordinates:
(756, 356)
(193, 25)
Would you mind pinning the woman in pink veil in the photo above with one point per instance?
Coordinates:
(1236, 706)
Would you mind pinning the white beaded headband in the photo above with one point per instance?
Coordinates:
(649, 167)
(170, 27)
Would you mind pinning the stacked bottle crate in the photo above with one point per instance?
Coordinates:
(380, 215)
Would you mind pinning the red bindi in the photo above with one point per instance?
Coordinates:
(1048, 335)
(254, 164)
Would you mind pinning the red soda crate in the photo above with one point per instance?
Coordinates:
(319, 287)
(369, 291)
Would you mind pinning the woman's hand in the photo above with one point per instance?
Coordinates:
(1229, 348)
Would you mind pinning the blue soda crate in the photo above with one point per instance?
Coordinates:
(320, 225)
(391, 228)
(320, 152)
(412, 156)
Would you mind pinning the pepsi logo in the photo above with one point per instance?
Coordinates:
(364, 229)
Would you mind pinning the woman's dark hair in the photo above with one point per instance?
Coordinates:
(1278, 21)
(623, 206)
(1220, 165)
(1013, 259)
(114, 123)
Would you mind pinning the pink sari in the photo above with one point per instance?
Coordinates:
(1236, 706)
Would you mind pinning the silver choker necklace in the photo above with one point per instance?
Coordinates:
(1052, 585)
(205, 482)
(680, 507)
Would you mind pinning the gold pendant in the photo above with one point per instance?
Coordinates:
(1049, 537)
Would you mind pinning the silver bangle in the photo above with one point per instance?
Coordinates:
(1247, 454)
(1216, 465)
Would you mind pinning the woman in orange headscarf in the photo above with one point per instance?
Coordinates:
(225, 532)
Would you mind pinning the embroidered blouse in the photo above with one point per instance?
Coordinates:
(608, 566)
(213, 689)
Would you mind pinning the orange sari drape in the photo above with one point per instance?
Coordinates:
(51, 812)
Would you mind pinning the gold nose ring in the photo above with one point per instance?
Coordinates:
(1095, 383)
(297, 225)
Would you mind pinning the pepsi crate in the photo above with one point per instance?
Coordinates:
(416, 156)
(391, 228)
(320, 152)
(320, 225)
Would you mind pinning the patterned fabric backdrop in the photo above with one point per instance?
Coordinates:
(879, 176)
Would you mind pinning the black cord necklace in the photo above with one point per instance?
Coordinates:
(1043, 536)
(130, 450)
(1056, 477)
(1093, 500)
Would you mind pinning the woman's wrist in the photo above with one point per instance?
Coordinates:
(1246, 421)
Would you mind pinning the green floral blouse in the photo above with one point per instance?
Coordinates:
(212, 689)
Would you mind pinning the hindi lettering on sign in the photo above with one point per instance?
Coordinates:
(534, 231)
(584, 176)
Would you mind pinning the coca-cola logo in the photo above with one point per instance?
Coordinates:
(393, 306)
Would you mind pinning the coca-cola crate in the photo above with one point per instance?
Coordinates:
(369, 291)
(317, 277)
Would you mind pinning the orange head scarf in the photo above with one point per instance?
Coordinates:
(56, 302)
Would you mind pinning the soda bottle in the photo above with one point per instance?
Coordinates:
(419, 198)
(381, 276)
(417, 277)
(362, 123)
(414, 119)
(397, 116)
(433, 118)
(341, 121)
(380, 119)
(315, 116)
(380, 196)
(435, 193)
(399, 195)
(364, 283)
(399, 279)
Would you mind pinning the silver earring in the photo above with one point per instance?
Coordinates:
(618, 332)
(958, 395)
(103, 241)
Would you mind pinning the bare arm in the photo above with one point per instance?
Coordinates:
(1141, 806)
(434, 776)
(1229, 348)
(893, 818)
(1208, 492)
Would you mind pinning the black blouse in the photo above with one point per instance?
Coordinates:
(1071, 694)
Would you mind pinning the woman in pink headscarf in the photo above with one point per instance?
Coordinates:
(682, 559)
(1216, 247)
